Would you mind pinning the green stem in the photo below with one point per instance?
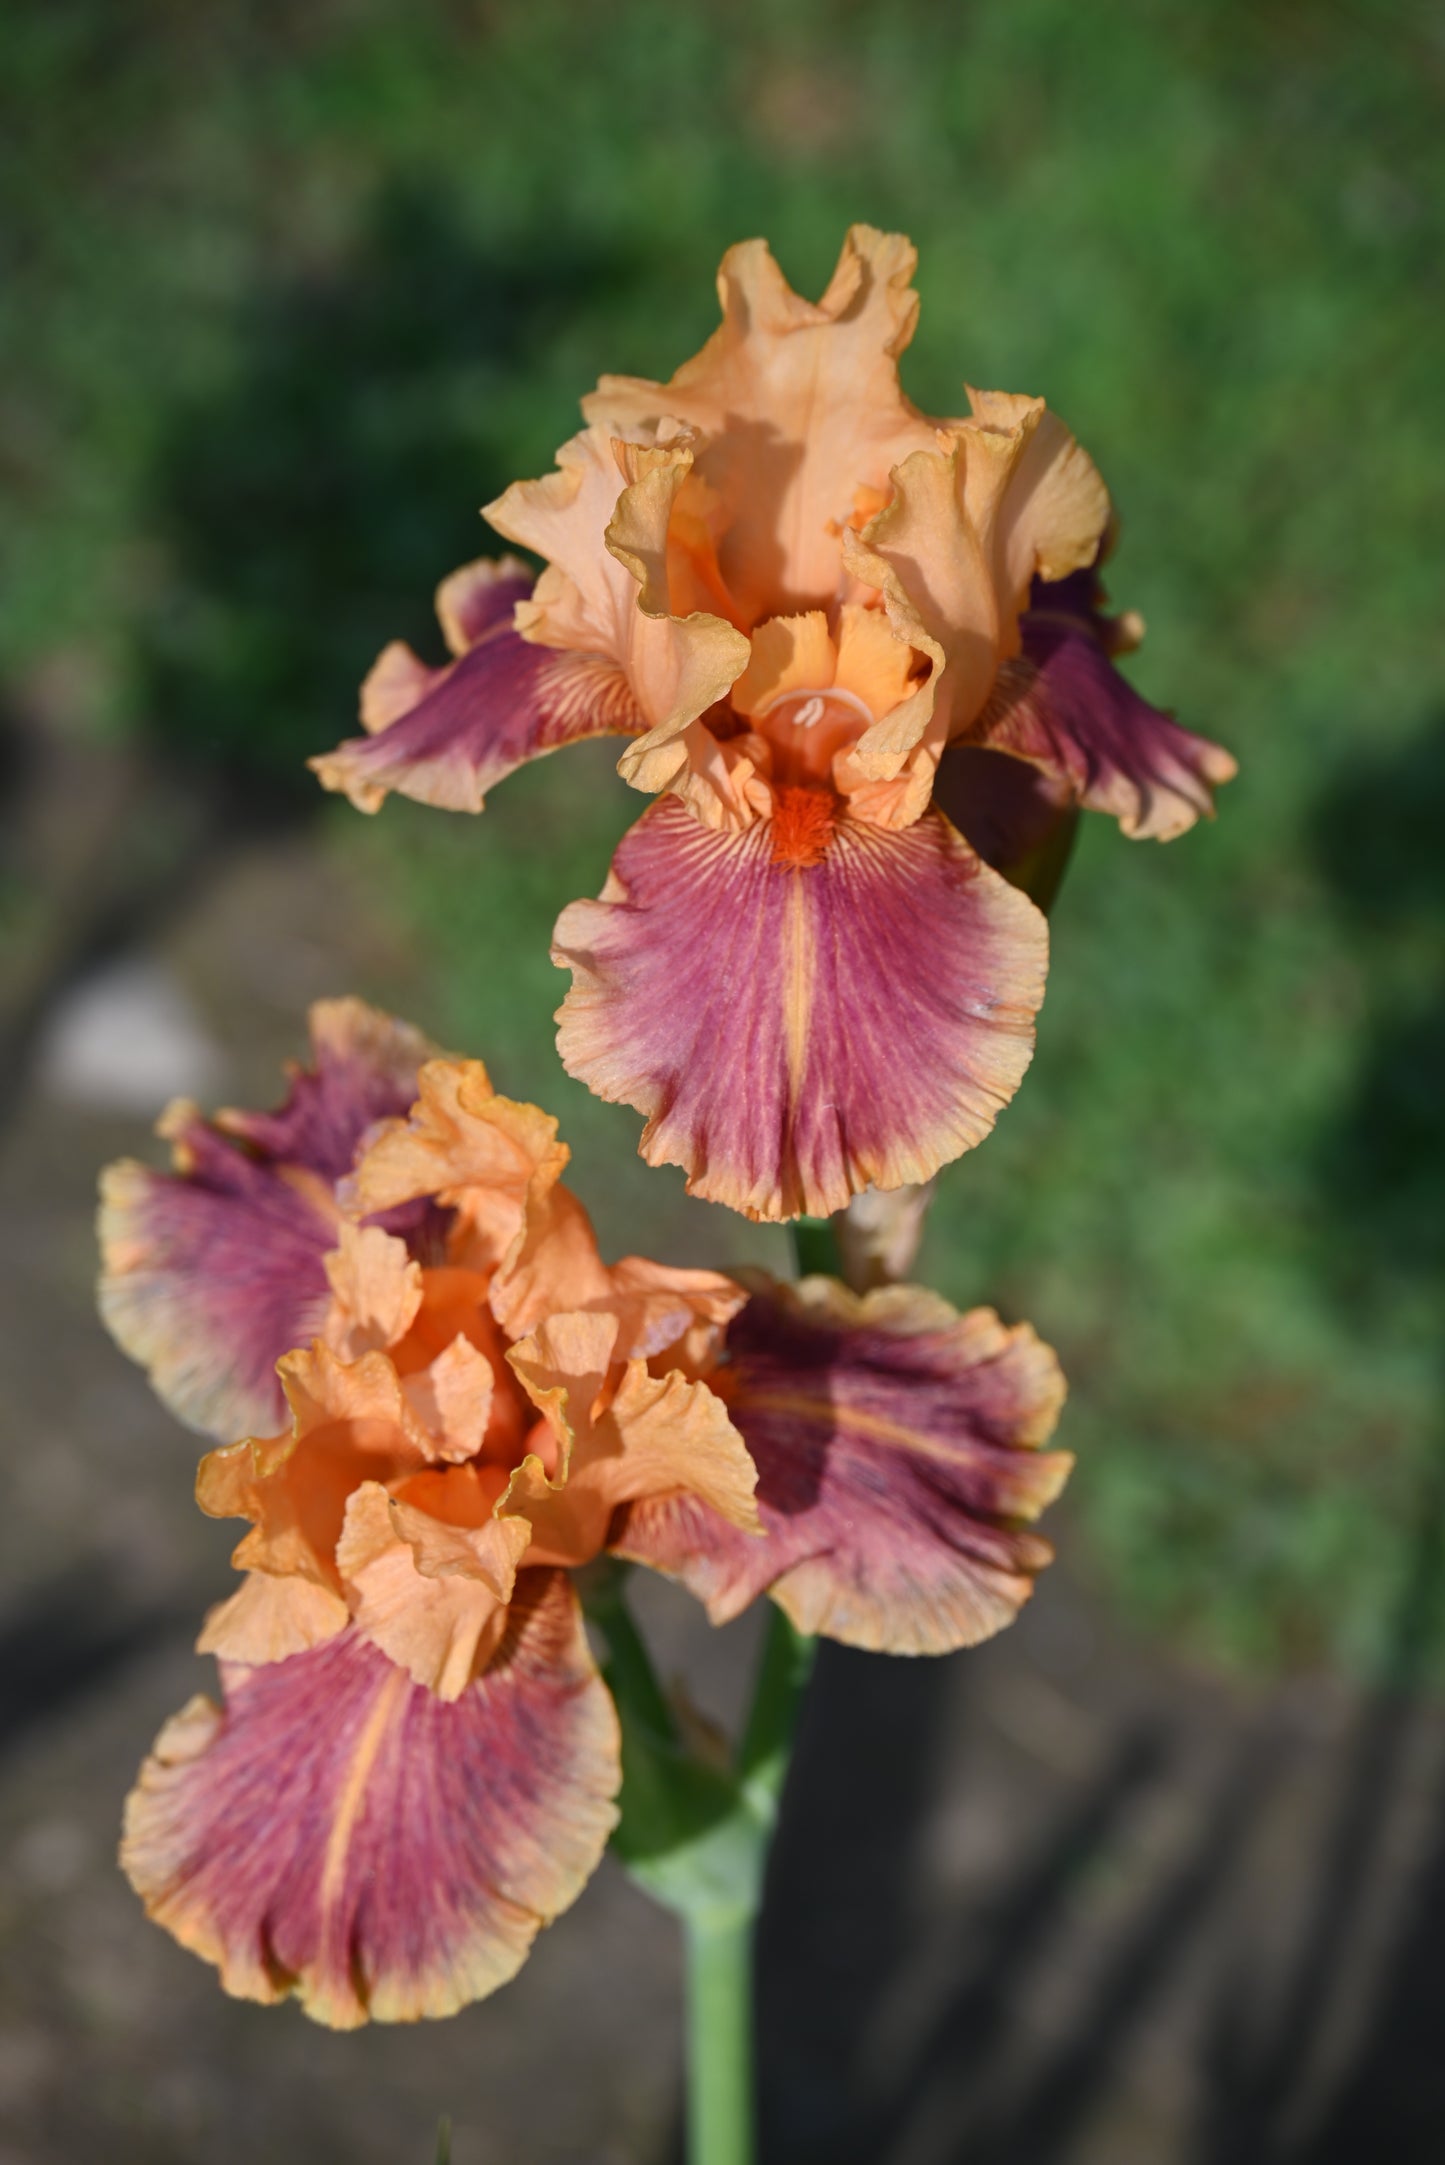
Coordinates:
(719, 2041)
(814, 1248)
(628, 1667)
(696, 1835)
(767, 1744)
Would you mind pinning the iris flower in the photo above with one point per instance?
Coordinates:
(415, 1762)
(810, 608)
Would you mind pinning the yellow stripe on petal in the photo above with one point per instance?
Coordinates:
(797, 1027)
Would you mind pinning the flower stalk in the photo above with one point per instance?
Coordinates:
(695, 1835)
(862, 660)
(720, 2088)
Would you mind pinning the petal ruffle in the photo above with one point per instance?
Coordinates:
(1036, 494)
(799, 406)
(460, 1145)
(338, 1832)
(897, 1447)
(363, 1069)
(952, 554)
(610, 521)
(376, 1291)
(794, 1033)
(351, 1423)
(498, 1164)
(1061, 705)
(664, 1311)
(620, 1437)
(430, 1593)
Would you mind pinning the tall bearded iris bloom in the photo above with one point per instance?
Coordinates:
(805, 602)
(415, 1763)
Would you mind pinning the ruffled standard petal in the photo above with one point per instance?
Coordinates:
(497, 1164)
(1034, 493)
(897, 1448)
(672, 1315)
(376, 1291)
(338, 1832)
(211, 1272)
(794, 1032)
(953, 552)
(612, 521)
(1061, 705)
(799, 408)
(432, 1590)
(622, 1433)
(352, 1422)
(461, 1145)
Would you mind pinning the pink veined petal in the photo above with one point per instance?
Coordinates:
(213, 1271)
(363, 1069)
(481, 597)
(792, 1031)
(897, 1448)
(1063, 706)
(210, 1275)
(338, 1832)
(456, 732)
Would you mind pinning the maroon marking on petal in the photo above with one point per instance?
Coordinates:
(795, 1031)
(501, 704)
(480, 597)
(1062, 705)
(339, 1832)
(897, 1461)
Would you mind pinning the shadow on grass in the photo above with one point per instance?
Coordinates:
(306, 513)
(1381, 1171)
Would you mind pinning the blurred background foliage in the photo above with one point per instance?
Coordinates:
(292, 291)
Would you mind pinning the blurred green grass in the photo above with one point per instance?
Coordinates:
(286, 295)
